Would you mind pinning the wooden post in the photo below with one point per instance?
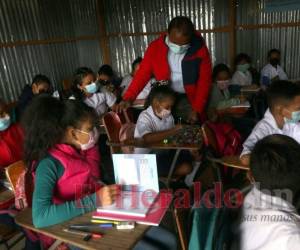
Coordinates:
(232, 32)
(104, 41)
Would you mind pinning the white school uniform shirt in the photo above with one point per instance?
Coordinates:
(174, 61)
(147, 123)
(242, 79)
(268, 126)
(271, 72)
(268, 223)
(145, 92)
(101, 101)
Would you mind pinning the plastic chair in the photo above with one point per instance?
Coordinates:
(112, 125)
(13, 172)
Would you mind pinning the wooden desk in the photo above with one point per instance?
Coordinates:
(233, 111)
(112, 239)
(230, 161)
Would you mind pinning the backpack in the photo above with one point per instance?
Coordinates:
(127, 133)
(228, 139)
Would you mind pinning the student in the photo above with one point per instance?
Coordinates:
(272, 71)
(220, 96)
(282, 117)
(107, 79)
(11, 138)
(242, 75)
(84, 88)
(128, 79)
(270, 219)
(61, 154)
(40, 84)
(156, 123)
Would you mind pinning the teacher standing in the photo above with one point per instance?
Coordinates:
(182, 58)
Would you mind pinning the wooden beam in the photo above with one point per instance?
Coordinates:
(50, 41)
(232, 31)
(267, 26)
(103, 38)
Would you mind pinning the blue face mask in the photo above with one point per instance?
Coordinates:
(4, 123)
(177, 49)
(295, 117)
(243, 67)
(91, 88)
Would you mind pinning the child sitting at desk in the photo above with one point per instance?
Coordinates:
(11, 138)
(156, 123)
(270, 218)
(61, 154)
(85, 89)
(282, 117)
(242, 75)
(220, 97)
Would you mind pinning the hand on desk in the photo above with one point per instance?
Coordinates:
(107, 194)
(245, 159)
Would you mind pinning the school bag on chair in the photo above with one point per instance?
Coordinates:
(127, 133)
(228, 139)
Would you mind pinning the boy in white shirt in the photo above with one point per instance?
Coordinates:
(272, 71)
(270, 219)
(282, 116)
(242, 75)
(155, 124)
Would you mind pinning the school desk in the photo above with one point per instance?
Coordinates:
(139, 143)
(230, 161)
(233, 111)
(112, 238)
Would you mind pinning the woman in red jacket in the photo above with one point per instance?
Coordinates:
(11, 138)
(181, 57)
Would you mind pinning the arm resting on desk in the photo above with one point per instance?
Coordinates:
(44, 211)
(160, 136)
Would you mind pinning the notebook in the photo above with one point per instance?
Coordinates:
(137, 174)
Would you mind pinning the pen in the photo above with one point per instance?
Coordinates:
(105, 222)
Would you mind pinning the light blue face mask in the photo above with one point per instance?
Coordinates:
(91, 88)
(295, 117)
(177, 49)
(243, 67)
(4, 123)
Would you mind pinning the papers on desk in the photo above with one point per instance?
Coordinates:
(242, 105)
(137, 173)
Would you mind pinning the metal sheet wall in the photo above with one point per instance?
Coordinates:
(134, 16)
(262, 40)
(29, 20)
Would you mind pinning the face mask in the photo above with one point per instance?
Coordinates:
(243, 67)
(91, 88)
(164, 113)
(295, 118)
(222, 85)
(4, 123)
(274, 61)
(93, 139)
(177, 49)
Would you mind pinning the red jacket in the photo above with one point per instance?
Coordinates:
(11, 145)
(196, 71)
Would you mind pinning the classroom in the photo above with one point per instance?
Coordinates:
(150, 125)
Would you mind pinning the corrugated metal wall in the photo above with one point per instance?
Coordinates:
(29, 20)
(262, 40)
(153, 16)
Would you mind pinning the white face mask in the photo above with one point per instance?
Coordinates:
(177, 49)
(93, 139)
(222, 85)
(164, 113)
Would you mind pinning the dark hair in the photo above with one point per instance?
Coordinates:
(273, 51)
(136, 62)
(220, 68)
(39, 78)
(106, 69)
(183, 24)
(159, 92)
(275, 163)
(240, 57)
(282, 92)
(45, 121)
(78, 76)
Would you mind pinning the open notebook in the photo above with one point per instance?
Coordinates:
(137, 173)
